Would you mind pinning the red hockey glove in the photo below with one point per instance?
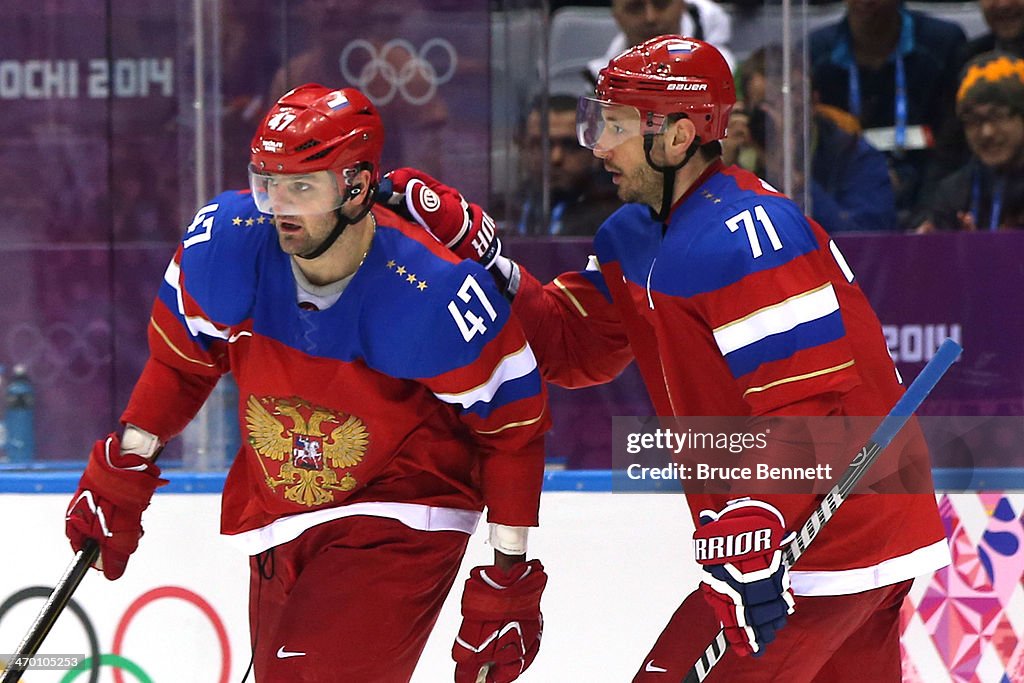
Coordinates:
(501, 622)
(464, 228)
(744, 578)
(112, 493)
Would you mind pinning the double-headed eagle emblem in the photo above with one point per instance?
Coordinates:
(310, 442)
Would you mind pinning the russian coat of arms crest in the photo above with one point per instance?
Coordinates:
(308, 443)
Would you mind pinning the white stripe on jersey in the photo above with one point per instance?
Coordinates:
(196, 325)
(780, 317)
(412, 515)
(512, 366)
(920, 562)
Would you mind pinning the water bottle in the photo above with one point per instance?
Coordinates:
(3, 423)
(19, 417)
(229, 417)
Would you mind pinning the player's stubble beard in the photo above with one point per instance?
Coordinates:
(314, 230)
(641, 185)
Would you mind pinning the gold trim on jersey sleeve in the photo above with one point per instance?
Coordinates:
(510, 425)
(172, 347)
(569, 295)
(797, 378)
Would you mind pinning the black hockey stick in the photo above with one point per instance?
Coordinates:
(58, 600)
(866, 456)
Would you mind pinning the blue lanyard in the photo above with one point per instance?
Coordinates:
(901, 99)
(997, 200)
(555, 227)
(524, 216)
(557, 211)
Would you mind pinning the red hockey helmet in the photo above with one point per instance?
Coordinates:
(314, 129)
(661, 76)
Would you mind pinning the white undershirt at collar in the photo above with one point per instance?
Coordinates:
(320, 296)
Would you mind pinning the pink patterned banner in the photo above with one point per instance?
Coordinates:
(966, 624)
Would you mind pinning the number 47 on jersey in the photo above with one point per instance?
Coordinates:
(470, 324)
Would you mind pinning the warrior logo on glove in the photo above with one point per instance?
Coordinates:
(744, 578)
(729, 546)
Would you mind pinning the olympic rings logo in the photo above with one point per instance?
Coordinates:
(73, 607)
(398, 68)
(116, 659)
(61, 351)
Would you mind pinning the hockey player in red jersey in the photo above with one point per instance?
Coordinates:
(386, 397)
(732, 303)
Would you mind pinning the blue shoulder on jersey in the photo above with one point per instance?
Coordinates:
(724, 233)
(438, 314)
(423, 316)
(630, 237)
(469, 313)
(220, 256)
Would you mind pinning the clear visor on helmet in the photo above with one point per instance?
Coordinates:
(295, 194)
(605, 125)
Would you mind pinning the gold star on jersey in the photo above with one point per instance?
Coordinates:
(250, 221)
(308, 444)
(411, 278)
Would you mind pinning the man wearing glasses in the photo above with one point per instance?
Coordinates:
(641, 20)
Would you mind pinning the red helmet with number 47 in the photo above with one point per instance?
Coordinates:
(661, 76)
(319, 132)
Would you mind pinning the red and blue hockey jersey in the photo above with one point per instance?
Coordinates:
(414, 396)
(741, 306)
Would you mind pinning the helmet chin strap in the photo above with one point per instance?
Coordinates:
(668, 173)
(341, 221)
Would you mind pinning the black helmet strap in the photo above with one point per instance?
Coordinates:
(341, 221)
(668, 173)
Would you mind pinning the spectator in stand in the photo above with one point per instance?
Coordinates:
(895, 70)
(849, 189)
(641, 20)
(987, 193)
(1005, 20)
(581, 193)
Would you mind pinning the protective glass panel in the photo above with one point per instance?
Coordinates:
(121, 118)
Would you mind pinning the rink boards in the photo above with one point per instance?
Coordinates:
(618, 564)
